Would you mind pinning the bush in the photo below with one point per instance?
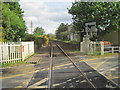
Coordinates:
(29, 37)
(44, 38)
(39, 40)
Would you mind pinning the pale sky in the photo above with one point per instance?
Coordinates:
(46, 13)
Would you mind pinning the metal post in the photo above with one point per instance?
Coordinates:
(51, 68)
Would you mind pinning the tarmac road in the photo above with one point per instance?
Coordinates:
(108, 66)
(64, 75)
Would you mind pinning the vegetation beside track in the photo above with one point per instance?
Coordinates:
(102, 56)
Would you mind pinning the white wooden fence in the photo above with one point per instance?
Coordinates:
(89, 47)
(15, 52)
(112, 49)
(98, 47)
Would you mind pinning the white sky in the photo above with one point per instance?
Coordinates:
(47, 14)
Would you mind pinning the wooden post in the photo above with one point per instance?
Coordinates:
(119, 49)
(112, 49)
(102, 48)
(22, 51)
(81, 47)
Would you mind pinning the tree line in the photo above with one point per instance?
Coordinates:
(14, 27)
(13, 24)
(105, 14)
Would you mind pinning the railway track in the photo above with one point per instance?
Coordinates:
(69, 74)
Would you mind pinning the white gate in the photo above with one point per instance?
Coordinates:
(89, 47)
(11, 52)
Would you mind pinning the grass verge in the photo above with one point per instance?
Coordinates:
(105, 55)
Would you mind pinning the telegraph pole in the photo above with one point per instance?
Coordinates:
(31, 26)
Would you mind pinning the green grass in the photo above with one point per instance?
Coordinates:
(12, 64)
(73, 41)
(110, 54)
(94, 54)
(105, 55)
(15, 63)
(77, 51)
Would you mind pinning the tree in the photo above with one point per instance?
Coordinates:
(105, 14)
(61, 33)
(39, 31)
(51, 36)
(12, 21)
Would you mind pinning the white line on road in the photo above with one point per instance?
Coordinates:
(38, 83)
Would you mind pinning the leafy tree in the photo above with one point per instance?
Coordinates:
(0, 21)
(61, 33)
(13, 23)
(39, 31)
(39, 41)
(64, 35)
(105, 14)
(51, 36)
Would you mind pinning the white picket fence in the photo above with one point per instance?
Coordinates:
(15, 51)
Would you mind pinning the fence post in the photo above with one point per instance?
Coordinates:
(112, 49)
(29, 48)
(81, 47)
(33, 48)
(119, 49)
(22, 50)
(102, 48)
(1, 52)
(94, 47)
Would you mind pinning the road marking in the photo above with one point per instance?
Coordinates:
(96, 58)
(38, 83)
(17, 75)
(19, 87)
(110, 76)
(44, 86)
(101, 63)
(115, 77)
(63, 65)
(113, 69)
(90, 59)
(96, 63)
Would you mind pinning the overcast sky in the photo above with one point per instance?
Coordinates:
(46, 13)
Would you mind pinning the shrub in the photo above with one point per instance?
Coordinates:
(44, 38)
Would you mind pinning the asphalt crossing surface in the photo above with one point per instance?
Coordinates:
(65, 75)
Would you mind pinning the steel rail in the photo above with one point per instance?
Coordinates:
(82, 72)
(76, 67)
(110, 81)
(51, 67)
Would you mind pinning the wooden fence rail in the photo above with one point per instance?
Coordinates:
(98, 47)
(112, 49)
(11, 52)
